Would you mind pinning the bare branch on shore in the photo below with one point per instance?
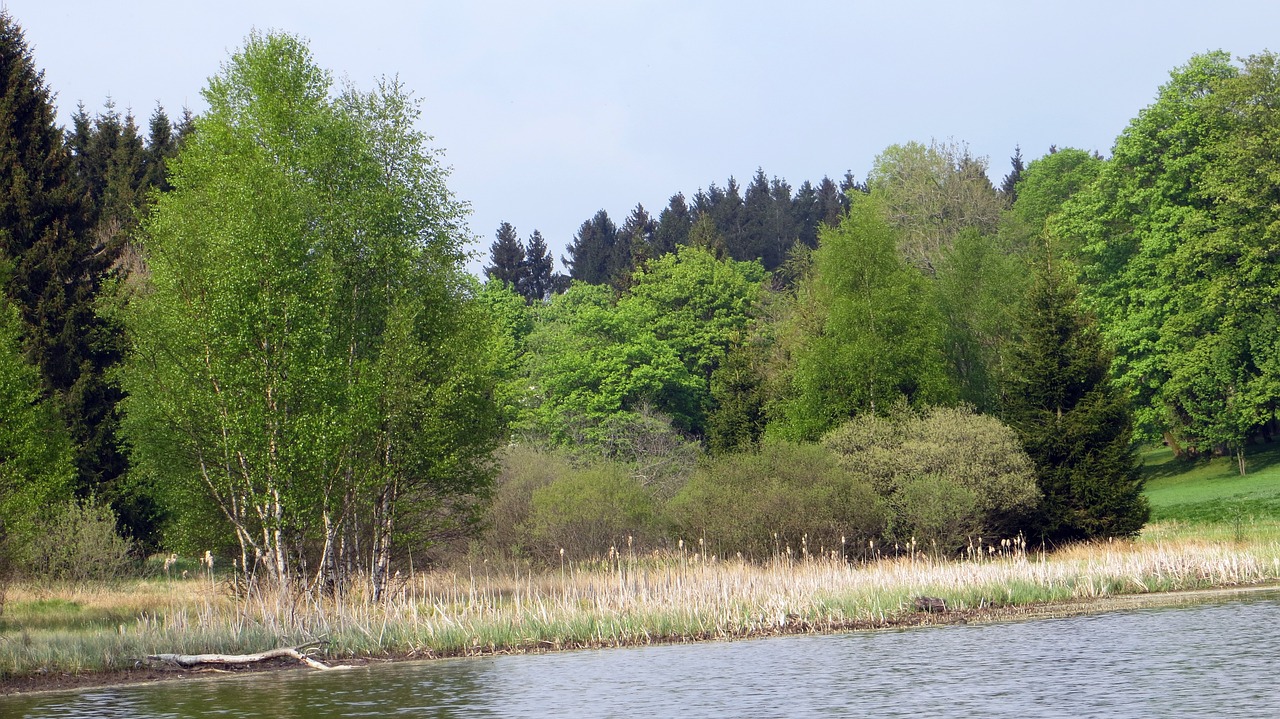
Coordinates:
(191, 660)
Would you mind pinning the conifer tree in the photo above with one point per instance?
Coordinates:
(804, 214)
(674, 225)
(831, 204)
(1075, 426)
(592, 258)
(56, 270)
(541, 279)
(634, 246)
(1009, 187)
(507, 254)
(162, 145)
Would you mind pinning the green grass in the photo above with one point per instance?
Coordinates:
(1211, 490)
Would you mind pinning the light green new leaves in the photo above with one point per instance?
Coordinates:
(306, 342)
(878, 338)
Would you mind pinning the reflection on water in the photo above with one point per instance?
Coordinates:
(1208, 660)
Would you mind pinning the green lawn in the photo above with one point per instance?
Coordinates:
(1212, 490)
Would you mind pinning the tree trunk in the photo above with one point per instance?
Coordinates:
(383, 526)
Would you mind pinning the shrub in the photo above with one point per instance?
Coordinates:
(939, 513)
(79, 542)
(587, 511)
(523, 470)
(785, 495)
(992, 488)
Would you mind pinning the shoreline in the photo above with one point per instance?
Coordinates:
(35, 684)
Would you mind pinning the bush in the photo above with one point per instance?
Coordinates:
(587, 511)
(947, 474)
(785, 495)
(523, 471)
(79, 543)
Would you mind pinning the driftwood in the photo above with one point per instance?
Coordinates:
(191, 660)
(933, 605)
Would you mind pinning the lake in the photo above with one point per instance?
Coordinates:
(1214, 659)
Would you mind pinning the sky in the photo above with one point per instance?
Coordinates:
(550, 111)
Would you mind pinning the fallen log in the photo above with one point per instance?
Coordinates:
(191, 660)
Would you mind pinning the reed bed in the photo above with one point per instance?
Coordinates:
(620, 600)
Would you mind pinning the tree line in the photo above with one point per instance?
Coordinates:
(251, 331)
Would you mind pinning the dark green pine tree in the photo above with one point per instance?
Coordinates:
(850, 184)
(737, 418)
(634, 246)
(1009, 187)
(674, 225)
(59, 253)
(831, 204)
(756, 206)
(1074, 424)
(162, 146)
(541, 279)
(507, 254)
(592, 258)
(804, 214)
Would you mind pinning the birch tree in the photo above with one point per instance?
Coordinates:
(306, 332)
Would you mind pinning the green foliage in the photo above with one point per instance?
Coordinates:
(877, 336)
(588, 510)
(307, 349)
(78, 542)
(785, 496)
(1044, 188)
(980, 288)
(1074, 424)
(591, 359)
(1176, 244)
(588, 361)
(695, 303)
(930, 194)
(36, 469)
(946, 475)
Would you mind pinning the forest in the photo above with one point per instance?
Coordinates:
(249, 334)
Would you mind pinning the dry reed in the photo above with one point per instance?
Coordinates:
(619, 600)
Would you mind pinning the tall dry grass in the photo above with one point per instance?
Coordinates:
(619, 600)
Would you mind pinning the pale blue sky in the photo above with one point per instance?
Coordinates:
(549, 111)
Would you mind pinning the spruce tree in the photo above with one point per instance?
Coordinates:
(673, 226)
(540, 282)
(1009, 187)
(592, 257)
(831, 204)
(507, 254)
(804, 214)
(51, 236)
(634, 246)
(1075, 426)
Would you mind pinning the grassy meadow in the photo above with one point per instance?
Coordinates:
(1210, 529)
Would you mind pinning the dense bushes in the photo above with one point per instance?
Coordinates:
(544, 502)
(783, 496)
(79, 542)
(943, 478)
(946, 475)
